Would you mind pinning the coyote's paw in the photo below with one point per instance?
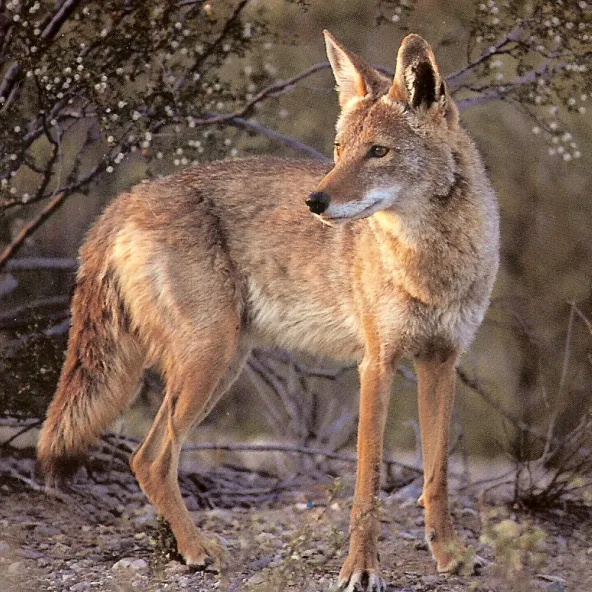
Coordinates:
(450, 564)
(204, 555)
(465, 562)
(363, 580)
(452, 556)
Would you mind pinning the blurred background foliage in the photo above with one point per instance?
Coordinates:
(95, 97)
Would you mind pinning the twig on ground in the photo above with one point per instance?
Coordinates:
(27, 428)
(286, 448)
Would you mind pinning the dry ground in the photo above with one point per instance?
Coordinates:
(102, 535)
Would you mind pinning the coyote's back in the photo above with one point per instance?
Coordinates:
(185, 273)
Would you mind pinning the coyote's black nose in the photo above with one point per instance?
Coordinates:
(318, 202)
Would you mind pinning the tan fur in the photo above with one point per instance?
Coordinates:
(186, 272)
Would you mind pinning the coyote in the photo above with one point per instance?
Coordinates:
(390, 253)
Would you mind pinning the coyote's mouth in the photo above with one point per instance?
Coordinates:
(374, 201)
(364, 213)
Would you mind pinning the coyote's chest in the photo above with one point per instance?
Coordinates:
(452, 325)
(337, 330)
(302, 322)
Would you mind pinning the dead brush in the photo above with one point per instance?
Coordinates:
(548, 469)
(562, 471)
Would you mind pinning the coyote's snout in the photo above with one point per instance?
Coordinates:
(318, 202)
(185, 273)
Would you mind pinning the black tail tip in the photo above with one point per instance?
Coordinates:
(55, 471)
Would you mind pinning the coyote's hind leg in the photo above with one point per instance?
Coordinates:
(192, 383)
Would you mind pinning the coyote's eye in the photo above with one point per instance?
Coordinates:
(378, 151)
(337, 147)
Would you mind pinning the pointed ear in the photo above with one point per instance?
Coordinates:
(354, 76)
(417, 78)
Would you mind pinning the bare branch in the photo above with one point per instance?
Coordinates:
(17, 311)
(582, 316)
(8, 79)
(268, 91)
(61, 15)
(474, 385)
(286, 358)
(513, 36)
(8, 86)
(257, 128)
(31, 226)
(286, 448)
(39, 263)
(215, 44)
(27, 428)
(486, 94)
(46, 176)
(8, 285)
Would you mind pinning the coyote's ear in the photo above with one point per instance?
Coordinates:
(417, 79)
(354, 76)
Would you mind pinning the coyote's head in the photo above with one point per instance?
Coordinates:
(395, 139)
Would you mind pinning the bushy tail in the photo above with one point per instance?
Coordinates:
(100, 374)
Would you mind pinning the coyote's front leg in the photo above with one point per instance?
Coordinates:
(360, 570)
(436, 377)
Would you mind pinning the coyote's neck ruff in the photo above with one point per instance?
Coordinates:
(391, 253)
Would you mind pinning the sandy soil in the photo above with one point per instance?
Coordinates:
(102, 535)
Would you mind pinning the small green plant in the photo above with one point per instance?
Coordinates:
(517, 549)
